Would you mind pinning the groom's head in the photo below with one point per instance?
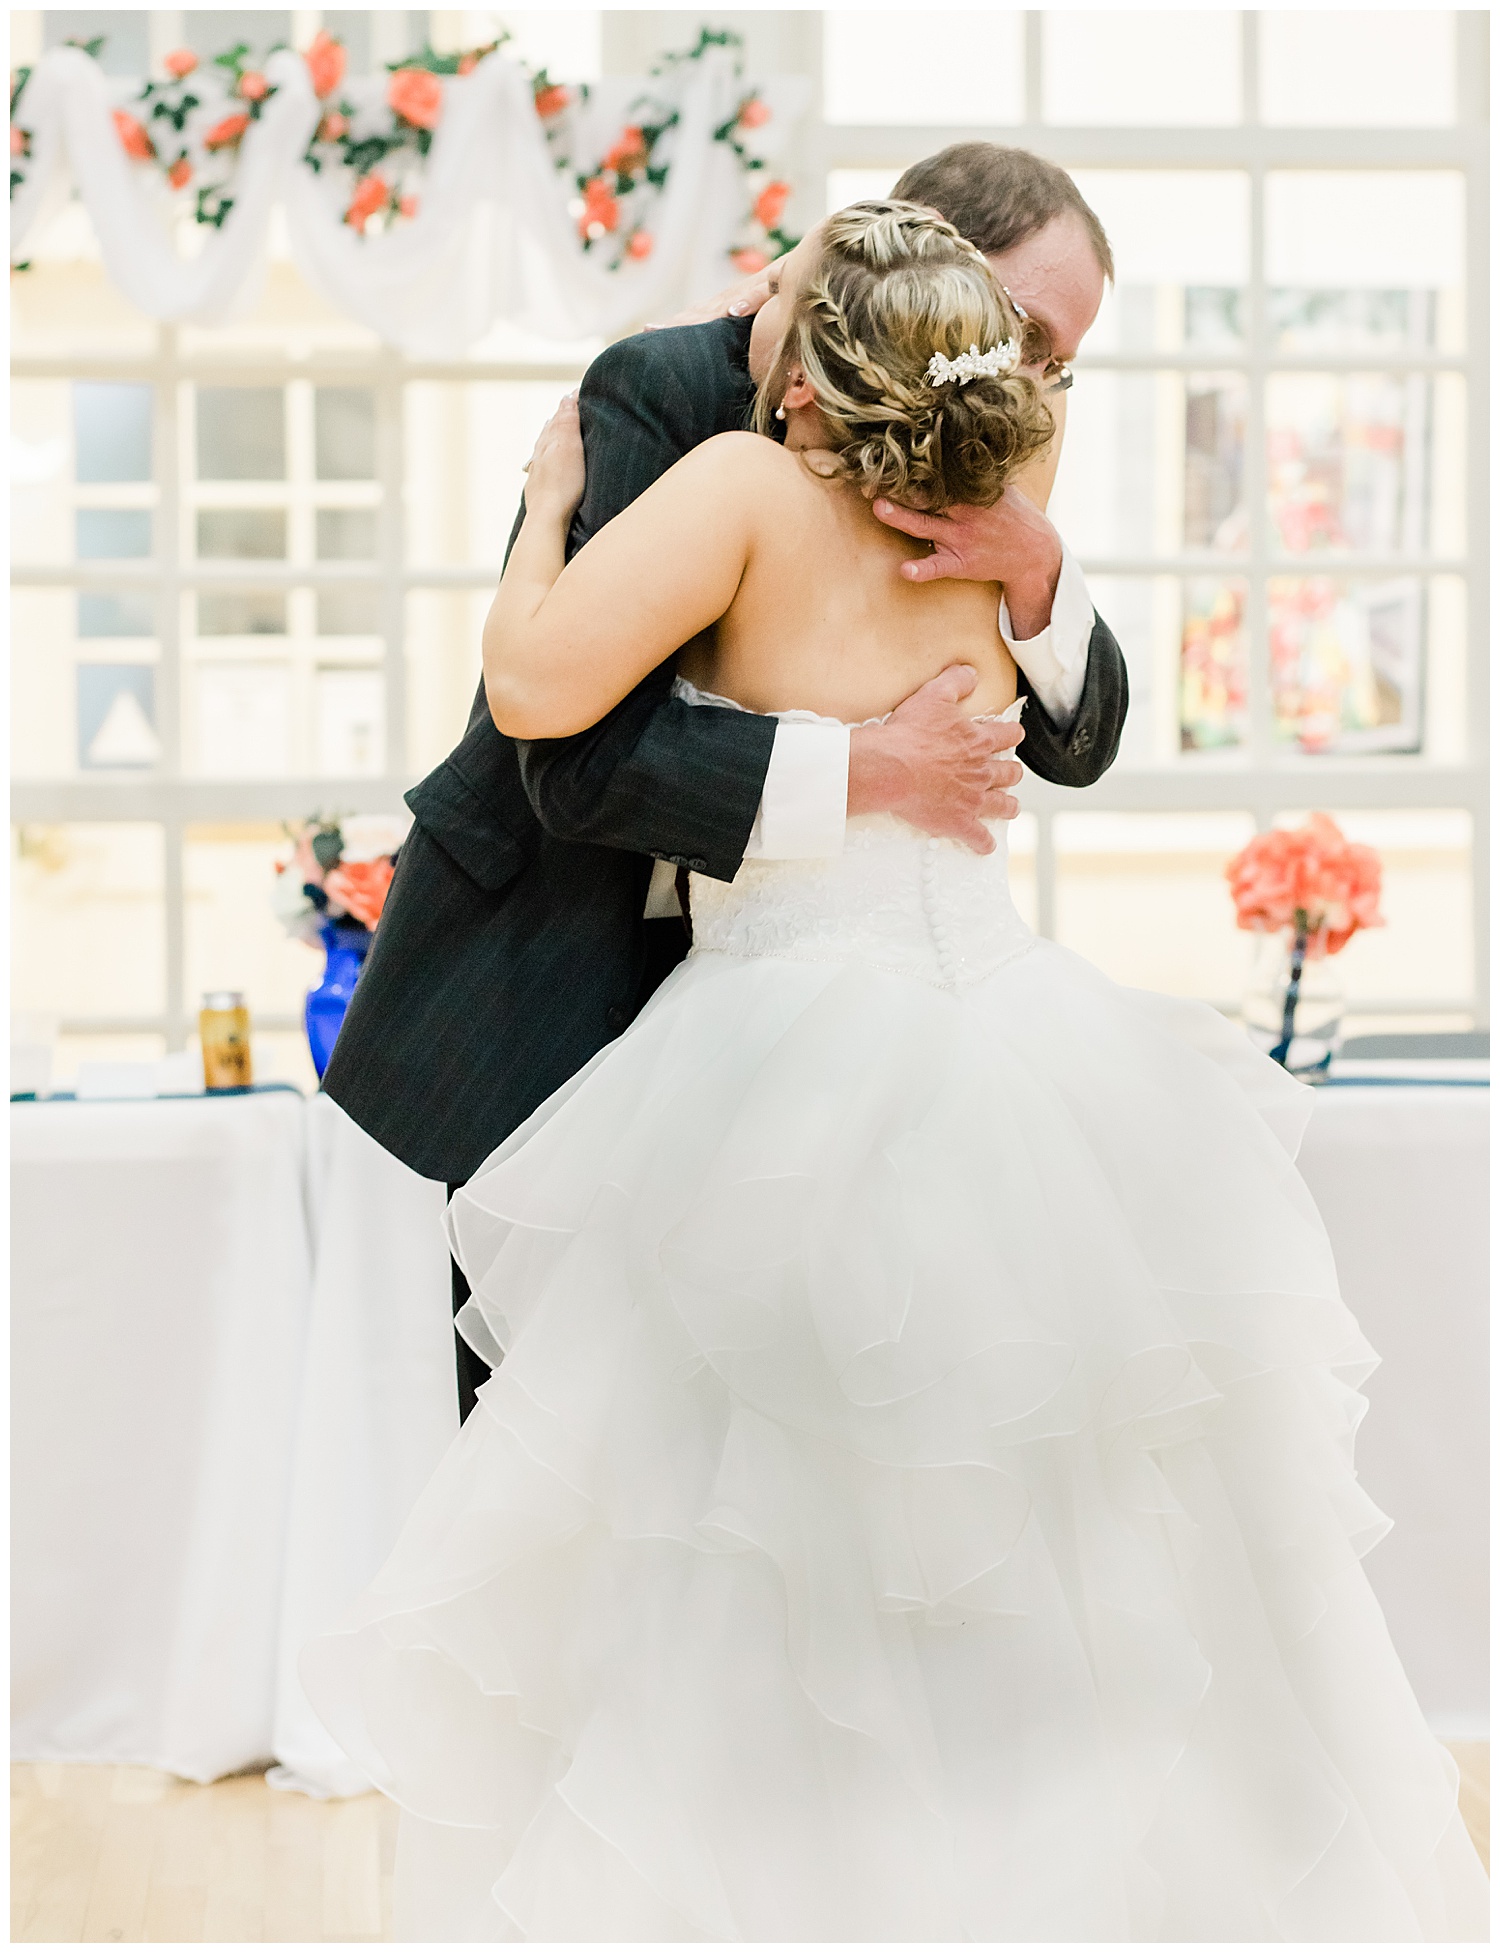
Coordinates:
(1029, 219)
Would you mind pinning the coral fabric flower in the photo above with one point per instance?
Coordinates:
(601, 209)
(17, 141)
(333, 126)
(755, 114)
(371, 193)
(749, 261)
(133, 138)
(325, 60)
(771, 203)
(641, 245)
(629, 153)
(467, 63)
(1307, 879)
(360, 887)
(253, 86)
(551, 100)
(225, 134)
(408, 206)
(181, 61)
(416, 96)
(181, 172)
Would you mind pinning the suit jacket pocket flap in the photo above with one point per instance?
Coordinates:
(466, 829)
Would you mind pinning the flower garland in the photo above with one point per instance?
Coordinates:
(188, 126)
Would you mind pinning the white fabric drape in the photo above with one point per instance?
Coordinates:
(492, 239)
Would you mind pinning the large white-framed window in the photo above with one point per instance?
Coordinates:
(250, 563)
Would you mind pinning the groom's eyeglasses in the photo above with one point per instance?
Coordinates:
(1055, 376)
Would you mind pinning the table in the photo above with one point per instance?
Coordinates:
(233, 1373)
(378, 1408)
(1400, 1175)
(161, 1278)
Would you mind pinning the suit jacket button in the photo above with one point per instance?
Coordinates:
(698, 863)
(615, 1018)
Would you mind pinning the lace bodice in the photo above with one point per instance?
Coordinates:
(894, 898)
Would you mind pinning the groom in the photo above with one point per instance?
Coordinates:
(534, 908)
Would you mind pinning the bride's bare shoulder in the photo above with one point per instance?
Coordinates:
(737, 456)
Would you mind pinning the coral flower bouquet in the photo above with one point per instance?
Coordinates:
(337, 872)
(1311, 888)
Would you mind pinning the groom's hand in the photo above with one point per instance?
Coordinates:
(1012, 543)
(938, 769)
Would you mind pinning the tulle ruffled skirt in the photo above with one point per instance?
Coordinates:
(916, 1502)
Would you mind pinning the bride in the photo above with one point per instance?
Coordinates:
(916, 1502)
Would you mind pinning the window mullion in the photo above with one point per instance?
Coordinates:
(169, 675)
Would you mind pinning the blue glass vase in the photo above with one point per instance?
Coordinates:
(347, 945)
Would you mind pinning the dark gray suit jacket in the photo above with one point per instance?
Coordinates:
(512, 947)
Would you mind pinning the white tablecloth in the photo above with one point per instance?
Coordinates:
(160, 1285)
(1400, 1174)
(232, 1374)
(379, 1406)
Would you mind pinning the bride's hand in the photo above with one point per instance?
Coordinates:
(555, 472)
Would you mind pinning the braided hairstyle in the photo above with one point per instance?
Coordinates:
(895, 285)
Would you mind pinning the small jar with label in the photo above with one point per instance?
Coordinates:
(224, 1032)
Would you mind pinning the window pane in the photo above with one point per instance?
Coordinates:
(241, 721)
(348, 613)
(111, 431)
(1152, 463)
(466, 447)
(125, 613)
(241, 613)
(1346, 663)
(117, 716)
(442, 671)
(65, 684)
(346, 533)
(1425, 952)
(242, 532)
(1181, 241)
(860, 186)
(1356, 70)
(212, 33)
(344, 433)
(348, 722)
(1347, 459)
(568, 43)
(1360, 258)
(1213, 705)
(1144, 897)
(1187, 657)
(241, 434)
(901, 67)
(232, 937)
(126, 36)
(1140, 68)
(41, 436)
(90, 925)
(112, 533)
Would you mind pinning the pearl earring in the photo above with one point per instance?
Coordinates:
(781, 413)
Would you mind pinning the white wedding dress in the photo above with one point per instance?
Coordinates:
(916, 1502)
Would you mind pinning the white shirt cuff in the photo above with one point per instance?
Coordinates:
(805, 800)
(1056, 660)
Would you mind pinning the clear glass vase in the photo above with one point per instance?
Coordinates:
(1294, 1008)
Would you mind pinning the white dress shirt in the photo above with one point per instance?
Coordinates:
(804, 801)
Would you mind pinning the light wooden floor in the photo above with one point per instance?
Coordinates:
(106, 1852)
(109, 1852)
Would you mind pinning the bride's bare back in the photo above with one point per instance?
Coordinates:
(786, 575)
(824, 621)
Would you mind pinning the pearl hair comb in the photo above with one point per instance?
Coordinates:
(974, 365)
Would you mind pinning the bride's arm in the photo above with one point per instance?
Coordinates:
(563, 644)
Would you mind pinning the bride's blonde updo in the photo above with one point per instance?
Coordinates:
(896, 284)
